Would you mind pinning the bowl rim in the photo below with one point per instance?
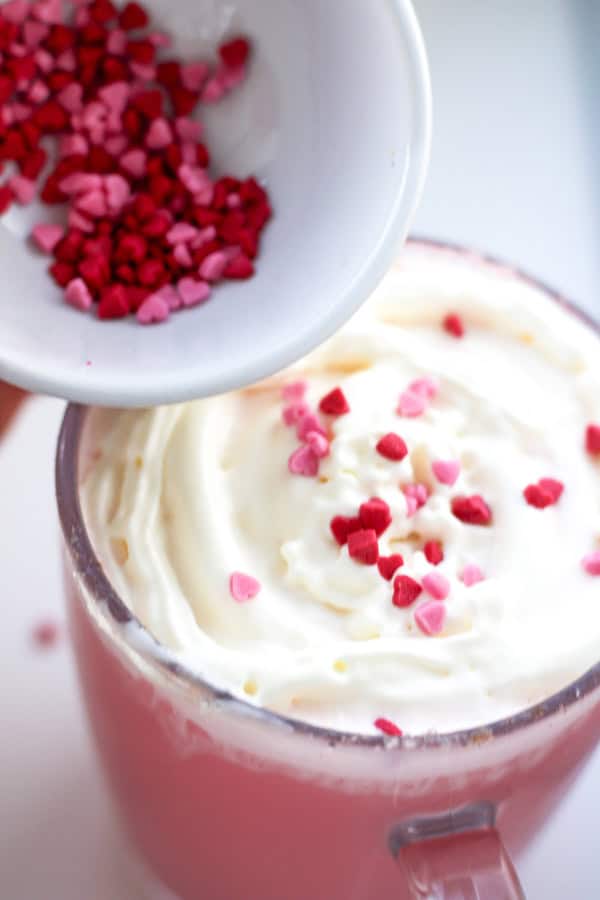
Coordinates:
(90, 571)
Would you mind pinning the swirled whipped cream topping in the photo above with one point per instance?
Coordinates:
(401, 533)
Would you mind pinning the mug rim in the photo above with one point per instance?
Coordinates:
(90, 571)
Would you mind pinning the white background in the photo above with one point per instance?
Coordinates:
(512, 173)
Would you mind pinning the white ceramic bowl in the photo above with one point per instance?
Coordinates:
(335, 118)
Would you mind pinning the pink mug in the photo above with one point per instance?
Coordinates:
(224, 801)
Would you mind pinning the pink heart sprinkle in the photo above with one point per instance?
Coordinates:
(471, 574)
(213, 266)
(295, 391)
(213, 90)
(181, 233)
(168, 293)
(233, 201)
(431, 617)
(33, 33)
(411, 507)
(243, 587)
(70, 98)
(418, 492)
(22, 188)
(44, 60)
(318, 443)
(73, 144)
(94, 114)
(307, 423)
(115, 95)
(117, 192)
(153, 309)
(426, 386)
(38, 92)
(47, 236)
(159, 135)
(77, 294)
(82, 17)
(188, 129)
(194, 178)
(76, 220)
(21, 112)
(204, 235)
(192, 292)
(304, 461)
(116, 43)
(92, 203)
(67, 60)
(411, 404)
(134, 162)
(116, 144)
(193, 75)
(183, 256)
(292, 414)
(50, 11)
(143, 72)
(446, 471)
(15, 11)
(188, 153)
(591, 563)
(159, 39)
(80, 183)
(436, 585)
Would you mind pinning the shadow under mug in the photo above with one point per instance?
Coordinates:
(225, 801)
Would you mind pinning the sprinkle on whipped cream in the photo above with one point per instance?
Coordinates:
(376, 504)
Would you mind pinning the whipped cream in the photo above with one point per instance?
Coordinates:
(178, 498)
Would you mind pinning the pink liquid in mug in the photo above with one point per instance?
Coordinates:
(215, 820)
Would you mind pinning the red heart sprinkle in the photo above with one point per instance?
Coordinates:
(391, 446)
(375, 513)
(388, 565)
(592, 439)
(342, 526)
(453, 324)
(334, 403)
(362, 546)
(545, 493)
(388, 727)
(472, 510)
(406, 591)
(234, 53)
(434, 552)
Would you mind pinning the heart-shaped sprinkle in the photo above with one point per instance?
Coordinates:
(77, 294)
(47, 236)
(406, 591)
(153, 309)
(591, 563)
(436, 585)
(193, 292)
(431, 617)
(471, 574)
(304, 461)
(389, 565)
(243, 587)
(446, 470)
(318, 444)
(295, 391)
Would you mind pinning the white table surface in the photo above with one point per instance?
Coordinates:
(512, 172)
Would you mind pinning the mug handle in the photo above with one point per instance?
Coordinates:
(456, 856)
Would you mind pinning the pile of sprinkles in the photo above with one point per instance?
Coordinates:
(360, 532)
(90, 113)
